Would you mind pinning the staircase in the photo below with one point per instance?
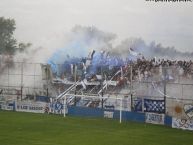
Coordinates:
(66, 91)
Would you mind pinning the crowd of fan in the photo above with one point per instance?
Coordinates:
(146, 69)
(142, 69)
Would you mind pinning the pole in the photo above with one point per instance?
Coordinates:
(15, 104)
(132, 102)
(121, 104)
(21, 80)
(165, 89)
(64, 106)
(34, 81)
(102, 100)
(131, 91)
(51, 106)
(8, 78)
(101, 84)
(47, 80)
(75, 71)
(131, 83)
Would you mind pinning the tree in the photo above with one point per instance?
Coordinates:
(8, 44)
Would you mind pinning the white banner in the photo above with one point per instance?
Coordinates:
(108, 114)
(154, 118)
(182, 124)
(6, 107)
(35, 107)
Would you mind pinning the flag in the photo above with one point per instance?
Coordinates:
(188, 108)
(137, 104)
(156, 106)
(132, 52)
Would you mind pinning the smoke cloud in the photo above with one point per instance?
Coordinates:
(151, 50)
(78, 43)
(81, 40)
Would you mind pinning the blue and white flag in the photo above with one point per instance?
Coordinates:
(137, 104)
(156, 106)
(188, 109)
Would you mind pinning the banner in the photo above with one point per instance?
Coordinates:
(180, 109)
(7, 105)
(108, 114)
(154, 118)
(56, 107)
(35, 107)
(155, 106)
(185, 124)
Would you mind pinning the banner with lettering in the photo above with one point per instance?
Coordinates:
(154, 118)
(34, 107)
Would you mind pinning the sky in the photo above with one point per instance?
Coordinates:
(45, 22)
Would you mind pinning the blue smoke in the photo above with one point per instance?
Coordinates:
(75, 52)
(62, 59)
(101, 60)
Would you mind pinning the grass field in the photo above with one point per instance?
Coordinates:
(18, 128)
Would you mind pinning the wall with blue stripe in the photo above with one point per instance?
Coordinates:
(84, 111)
(98, 112)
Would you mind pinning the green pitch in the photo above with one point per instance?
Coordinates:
(42, 129)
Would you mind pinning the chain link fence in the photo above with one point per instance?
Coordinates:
(19, 80)
(174, 85)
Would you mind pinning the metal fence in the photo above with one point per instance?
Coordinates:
(171, 84)
(20, 79)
